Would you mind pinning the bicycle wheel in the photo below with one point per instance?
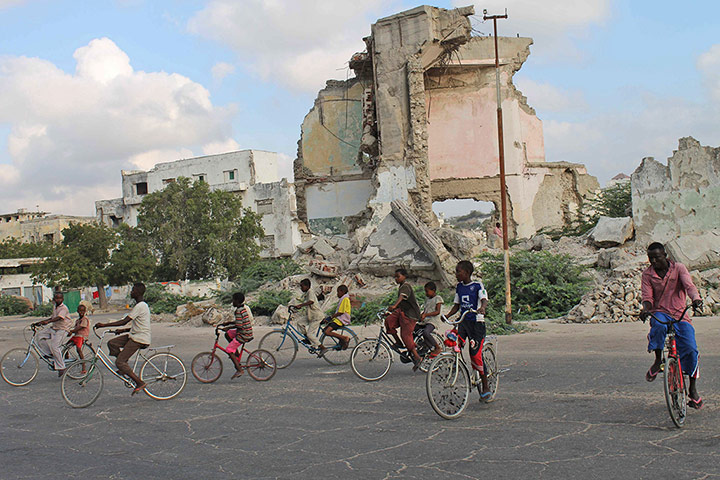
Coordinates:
(491, 369)
(206, 367)
(19, 366)
(371, 359)
(283, 347)
(71, 355)
(448, 386)
(80, 390)
(425, 364)
(675, 392)
(335, 355)
(165, 376)
(260, 365)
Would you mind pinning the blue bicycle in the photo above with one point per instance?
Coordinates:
(283, 344)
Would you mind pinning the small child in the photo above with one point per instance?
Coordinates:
(238, 332)
(80, 332)
(309, 321)
(430, 318)
(340, 318)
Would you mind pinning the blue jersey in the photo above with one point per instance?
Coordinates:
(469, 296)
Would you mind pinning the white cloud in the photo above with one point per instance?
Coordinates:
(299, 43)
(221, 70)
(10, 3)
(70, 134)
(555, 26)
(709, 66)
(225, 146)
(546, 97)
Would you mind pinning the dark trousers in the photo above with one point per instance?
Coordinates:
(123, 347)
(407, 326)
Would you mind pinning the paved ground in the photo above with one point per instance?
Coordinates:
(572, 403)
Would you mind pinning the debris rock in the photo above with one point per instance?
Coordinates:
(323, 269)
(611, 232)
(280, 315)
(696, 251)
(322, 247)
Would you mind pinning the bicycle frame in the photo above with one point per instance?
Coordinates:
(292, 330)
(670, 350)
(35, 348)
(217, 346)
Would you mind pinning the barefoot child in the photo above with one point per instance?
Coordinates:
(340, 318)
(80, 332)
(238, 332)
(430, 318)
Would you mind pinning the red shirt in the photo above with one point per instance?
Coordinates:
(668, 294)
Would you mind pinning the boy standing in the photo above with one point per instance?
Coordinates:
(124, 346)
(430, 318)
(238, 332)
(309, 321)
(471, 295)
(665, 288)
(51, 338)
(340, 318)
(405, 314)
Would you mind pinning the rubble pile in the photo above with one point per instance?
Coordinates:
(206, 312)
(615, 300)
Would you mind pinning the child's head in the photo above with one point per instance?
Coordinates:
(305, 284)
(464, 271)
(238, 299)
(342, 290)
(430, 289)
(400, 275)
(81, 310)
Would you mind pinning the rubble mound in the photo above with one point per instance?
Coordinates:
(615, 300)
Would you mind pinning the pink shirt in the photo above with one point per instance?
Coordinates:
(669, 294)
(498, 232)
(62, 312)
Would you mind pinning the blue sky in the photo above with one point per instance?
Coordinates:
(613, 81)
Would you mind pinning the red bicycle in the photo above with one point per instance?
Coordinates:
(674, 381)
(206, 366)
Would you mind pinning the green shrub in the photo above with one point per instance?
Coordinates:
(265, 270)
(543, 285)
(44, 310)
(161, 301)
(13, 306)
(269, 300)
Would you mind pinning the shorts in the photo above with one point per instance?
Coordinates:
(474, 333)
(78, 341)
(334, 324)
(235, 340)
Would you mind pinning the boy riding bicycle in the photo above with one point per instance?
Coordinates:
(665, 287)
(470, 296)
(239, 331)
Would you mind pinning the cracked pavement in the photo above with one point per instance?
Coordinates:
(573, 402)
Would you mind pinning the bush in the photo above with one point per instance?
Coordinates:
(266, 270)
(161, 301)
(369, 308)
(44, 310)
(12, 306)
(543, 285)
(269, 300)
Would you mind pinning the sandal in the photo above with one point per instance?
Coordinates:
(485, 396)
(696, 404)
(138, 389)
(237, 374)
(650, 376)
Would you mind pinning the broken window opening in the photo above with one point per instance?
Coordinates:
(168, 181)
(264, 206)
(141, 188)
(465, 213)
(328, 226)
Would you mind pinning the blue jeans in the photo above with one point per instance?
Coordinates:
(684, 338)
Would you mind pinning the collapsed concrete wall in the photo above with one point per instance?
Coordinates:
(679, 203)
(418, 125)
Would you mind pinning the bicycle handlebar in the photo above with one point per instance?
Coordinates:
(673, 321)
(462, 317)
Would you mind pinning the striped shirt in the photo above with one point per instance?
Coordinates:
(243, 324)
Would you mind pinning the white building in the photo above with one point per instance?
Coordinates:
(252, 174)
(16, 279)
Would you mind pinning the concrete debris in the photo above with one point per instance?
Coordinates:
(611, 232)
(537, 243)
(461, 243)
(323, 248)
(612, 258)
(280, 315)
(205, 312)
(701, 250)
(323, 269)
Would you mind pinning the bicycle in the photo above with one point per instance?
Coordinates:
(163, 372)
(448, 382)
(371, 359)
(674, 380)
(283, 344)
(206, 367)
(20, 366)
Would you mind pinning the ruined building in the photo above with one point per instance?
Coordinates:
(28, 226)
(252, 174)
(417, 125)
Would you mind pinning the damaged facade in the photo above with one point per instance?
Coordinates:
(417, 124)
(252, 174)
(27, 226)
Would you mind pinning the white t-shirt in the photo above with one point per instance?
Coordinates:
(140, 325)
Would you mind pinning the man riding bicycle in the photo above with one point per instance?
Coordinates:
(665, 286)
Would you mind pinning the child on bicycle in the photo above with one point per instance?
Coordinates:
(238, 332)
(430, 318)
(80, 332)
(665, 288)
(471, 295)
(405, 314)
(309, 321)
(340, 318)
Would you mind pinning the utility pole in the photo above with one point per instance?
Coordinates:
(503, 186)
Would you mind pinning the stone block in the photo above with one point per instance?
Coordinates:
(697, 251)
(611, 232)
(323, 248)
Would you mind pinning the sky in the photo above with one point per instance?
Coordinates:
(90, 88)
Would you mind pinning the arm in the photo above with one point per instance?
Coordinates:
(690, 288)
(301, 305)
(118, 323)
(453, 310)
(483, 306)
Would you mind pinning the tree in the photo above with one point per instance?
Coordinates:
(196, 233)
(93, 254)
(13, 248)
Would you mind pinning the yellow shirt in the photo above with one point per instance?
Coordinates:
(344, 309)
